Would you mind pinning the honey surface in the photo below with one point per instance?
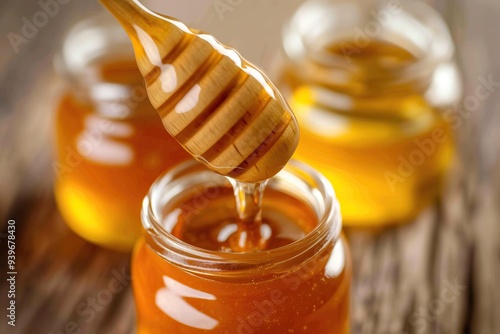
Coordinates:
(217, 226)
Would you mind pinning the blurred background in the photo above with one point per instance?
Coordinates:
(399, 273)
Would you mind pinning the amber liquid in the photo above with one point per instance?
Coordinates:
(218, 225)
(309, 296)
(106, 164)
(382, 146)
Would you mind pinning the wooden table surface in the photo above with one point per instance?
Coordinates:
(437, 274)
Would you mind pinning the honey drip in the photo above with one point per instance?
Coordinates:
(248, 237)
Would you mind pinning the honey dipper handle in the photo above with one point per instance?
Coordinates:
(153, 35)
(132, 15)
(128, 12)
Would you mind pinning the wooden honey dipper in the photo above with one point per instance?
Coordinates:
(219, 107)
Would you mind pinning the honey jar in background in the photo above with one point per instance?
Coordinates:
(184, 281)
(373, 84)
(111, 144)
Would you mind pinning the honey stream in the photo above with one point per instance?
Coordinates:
(248, 237)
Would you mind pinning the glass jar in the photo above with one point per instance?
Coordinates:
(372, 84)
(302, 287)
(110, 142)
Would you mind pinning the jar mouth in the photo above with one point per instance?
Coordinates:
(85, 46)
(414, 26)
(296, 178)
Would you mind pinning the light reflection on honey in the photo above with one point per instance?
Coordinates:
(109, 153)
(310, 298)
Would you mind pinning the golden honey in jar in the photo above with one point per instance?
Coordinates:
(186, 278)
(110, 142)
(370, 83)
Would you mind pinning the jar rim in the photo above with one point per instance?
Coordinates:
(201, 260)
(438, 46)
(87, 41)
